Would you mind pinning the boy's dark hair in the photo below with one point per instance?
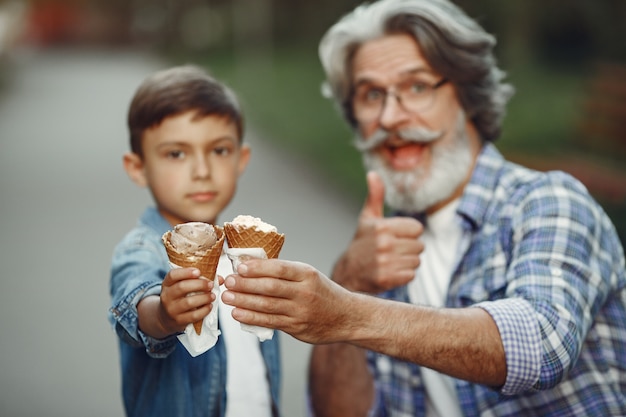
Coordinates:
(177, 90)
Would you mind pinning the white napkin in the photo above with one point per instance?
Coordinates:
(236, 256)
(195, 343)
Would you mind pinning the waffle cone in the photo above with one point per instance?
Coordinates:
(207, 264)
(271, 242)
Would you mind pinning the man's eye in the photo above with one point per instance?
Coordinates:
(373, 94)
(417, 87)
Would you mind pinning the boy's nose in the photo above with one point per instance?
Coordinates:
(202, 168)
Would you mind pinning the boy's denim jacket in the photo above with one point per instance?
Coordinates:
(159, 377)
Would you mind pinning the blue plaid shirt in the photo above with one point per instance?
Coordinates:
(545, 262)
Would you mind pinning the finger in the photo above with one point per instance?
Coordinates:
(178, 274)
(196, 285)
(191, 303)
(276, 268)
(253, 302)
(375, 202)
(406, 227)
(411, 248)
(194, 316)
(186, 287)
(271, 287)
(256, 318)
(406, 265)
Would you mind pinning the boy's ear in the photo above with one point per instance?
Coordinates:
(133, 165)
(244, 158)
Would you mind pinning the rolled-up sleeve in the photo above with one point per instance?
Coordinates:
(520, 336)
(554, 285)
(136, 274)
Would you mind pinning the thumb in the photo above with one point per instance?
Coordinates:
(375, 202)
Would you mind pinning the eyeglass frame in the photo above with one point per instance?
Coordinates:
(390, 90)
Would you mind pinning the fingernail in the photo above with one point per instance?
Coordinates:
(243, 268)
(229, 282)
(227, 296)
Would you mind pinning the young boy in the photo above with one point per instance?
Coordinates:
(186, 133)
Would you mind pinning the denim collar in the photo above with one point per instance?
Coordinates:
(154, 220)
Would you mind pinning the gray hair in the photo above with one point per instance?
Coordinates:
(454, 44)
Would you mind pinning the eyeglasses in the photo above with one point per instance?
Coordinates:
(415, 96)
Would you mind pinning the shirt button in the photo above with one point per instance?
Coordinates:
(556, 272)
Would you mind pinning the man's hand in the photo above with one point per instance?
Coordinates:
(184, 299)
(384, 252)
(290, 296)
(296, 298)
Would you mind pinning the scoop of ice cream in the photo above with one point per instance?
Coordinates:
(193, 238)
(251, 232)
(246, 221)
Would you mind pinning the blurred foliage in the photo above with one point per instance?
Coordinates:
(548, 50)
(267, 51)
(566, 31)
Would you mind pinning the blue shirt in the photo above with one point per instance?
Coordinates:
(545, 262)
(159, 377)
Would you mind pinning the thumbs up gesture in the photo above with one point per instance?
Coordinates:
(384, 252)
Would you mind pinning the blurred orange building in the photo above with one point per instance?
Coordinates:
(61, 22)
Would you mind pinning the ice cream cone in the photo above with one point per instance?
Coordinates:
(206, 263)
(247, 237)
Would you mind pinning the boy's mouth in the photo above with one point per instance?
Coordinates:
(203, 196)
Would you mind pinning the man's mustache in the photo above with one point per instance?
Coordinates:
(414, 134)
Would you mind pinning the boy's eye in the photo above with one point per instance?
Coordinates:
(177, 154)
(222, 151)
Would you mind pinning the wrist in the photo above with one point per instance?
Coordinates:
(164, 322)
(153, 319)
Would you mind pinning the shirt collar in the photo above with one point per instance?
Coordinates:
(153, 219)
(479, 192)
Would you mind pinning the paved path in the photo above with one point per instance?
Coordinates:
(65, 202)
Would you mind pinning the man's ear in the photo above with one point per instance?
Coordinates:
(244, 158)
(133, 165)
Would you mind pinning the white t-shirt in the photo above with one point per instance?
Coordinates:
(442, 240)
(247, 387)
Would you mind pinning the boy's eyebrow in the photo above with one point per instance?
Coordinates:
(226, 137)
(183, 143)
(172, 143)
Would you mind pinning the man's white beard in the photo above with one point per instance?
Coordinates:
(417, 190)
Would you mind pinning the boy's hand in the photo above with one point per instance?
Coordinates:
(184, 299)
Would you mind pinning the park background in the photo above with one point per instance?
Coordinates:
(566, 58)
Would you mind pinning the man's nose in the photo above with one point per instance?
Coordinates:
(393, 112)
